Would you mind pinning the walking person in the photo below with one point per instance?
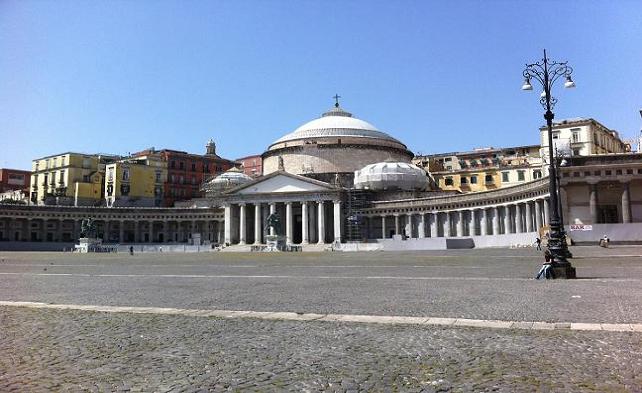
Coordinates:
(538, 243)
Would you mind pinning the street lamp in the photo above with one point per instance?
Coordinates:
(547, 72)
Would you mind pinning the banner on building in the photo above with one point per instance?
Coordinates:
(581, 227)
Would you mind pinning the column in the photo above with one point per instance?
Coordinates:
(593, 202)
(538, 216)
(422, 226)
(518, 219)
(460, 223)
(484, 222)
(305, 237)
(409, 225)
(321, 222)
(434, 224)
(257, 223)
(546, 212)
(447, 225)
(626, 204)
(337, 221)
(397, 230)
(471, 222)
(288, 222)
(228, 224)
(121, 231)
(528, 215)
(383, 226)
(495, 220)
(507, 222)
(242, 226)
(272, 211)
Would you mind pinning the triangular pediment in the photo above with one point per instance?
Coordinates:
(281, 182)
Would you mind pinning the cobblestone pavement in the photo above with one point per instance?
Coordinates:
(54, 350)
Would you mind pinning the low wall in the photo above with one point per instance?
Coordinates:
(509, 240)
(124, 248)
(629, 233)
(452, 243)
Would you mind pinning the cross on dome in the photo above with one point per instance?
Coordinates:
(336, 99)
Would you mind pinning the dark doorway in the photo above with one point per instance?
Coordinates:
(607, 214)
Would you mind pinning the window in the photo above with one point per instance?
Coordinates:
(193, 167)
(62, 161)
(158, 176)
(473, 179)
(172, 164)
(62, 178)
(537, 174)
(576, 152)
(489, 178)
(448, 159)
(181, 165)
(206, 168)
(556, 135)
(193, 179)
(521, 176)
(448, 181)
(576, 135)
(85, 179)
(125, 174)
(505, 177)
(110, 174)
(464, 180)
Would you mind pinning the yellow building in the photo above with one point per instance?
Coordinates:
(483, 169)
(135, 182)
(72, 179)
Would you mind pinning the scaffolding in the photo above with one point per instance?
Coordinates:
(356, 201)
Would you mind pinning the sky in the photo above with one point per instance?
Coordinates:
(121, 76)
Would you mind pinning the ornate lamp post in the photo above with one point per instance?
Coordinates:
(547, 72)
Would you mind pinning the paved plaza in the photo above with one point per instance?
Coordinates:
(460, 320)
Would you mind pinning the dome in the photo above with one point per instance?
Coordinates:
(391, 176)
(336, 123)
(226, 180)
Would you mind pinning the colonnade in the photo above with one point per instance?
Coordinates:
(302, 222)
(111, 230)
(519, 217)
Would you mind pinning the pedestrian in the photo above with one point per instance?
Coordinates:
(131, 250)
(604, 242)
(538, 242)
(160, 248)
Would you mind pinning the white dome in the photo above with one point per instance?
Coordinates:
(391, 176)
(226, 180)
(336, 123)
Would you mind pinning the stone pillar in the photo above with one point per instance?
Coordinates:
(288, 222)
(321, 222)
(447, 225)
(337, 221)
(397, 229)
(507, 221)
(228, 224)
(409, 225)
(484, 222)
(422, 226)
(538, 215)
(383, 226)
(460, 223)
(528, 215)
(626, 204)
(471, 223)
(518, 219)
(257, 223)
(121, 231)
(305, 237)
(434, 224)
(546, 212)
(495, 220)
(242, 226)
(593, 202)
(272, 211)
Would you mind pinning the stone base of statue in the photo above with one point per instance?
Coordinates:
(275, 243)
(88, 244)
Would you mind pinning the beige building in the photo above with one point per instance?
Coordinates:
(582, 137)
(71, 179)
(135, 182)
